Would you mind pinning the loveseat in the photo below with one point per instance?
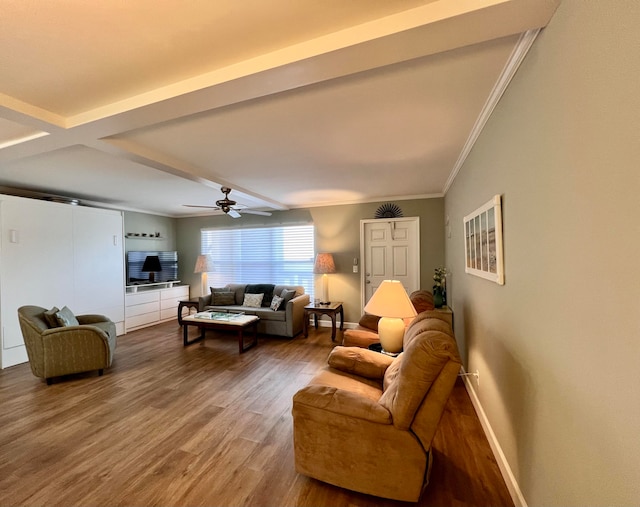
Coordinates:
(367, 420)
(285, 320)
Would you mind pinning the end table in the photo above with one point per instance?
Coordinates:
(331, 309)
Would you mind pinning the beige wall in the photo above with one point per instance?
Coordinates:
(558, 346)
(337, 231)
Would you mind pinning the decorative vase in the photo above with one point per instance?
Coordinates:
(438, 298)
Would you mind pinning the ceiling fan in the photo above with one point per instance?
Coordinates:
(226, 205)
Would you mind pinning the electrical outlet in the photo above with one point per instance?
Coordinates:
(355, 269)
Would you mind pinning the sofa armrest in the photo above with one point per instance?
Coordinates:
(342, 402)
(359, 337)
(363, 362)
(295, 314)
(204, 301)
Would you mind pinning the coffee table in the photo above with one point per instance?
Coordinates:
(222, 322)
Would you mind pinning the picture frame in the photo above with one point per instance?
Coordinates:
(483, 241)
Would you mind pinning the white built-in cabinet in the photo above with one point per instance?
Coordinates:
(54, 254)
(153, 305)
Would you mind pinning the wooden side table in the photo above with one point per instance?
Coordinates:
(186, 303)
(332, 309)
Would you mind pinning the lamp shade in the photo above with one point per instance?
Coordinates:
(204, 264)
(324, 264)
(391, 300)
(151, 263)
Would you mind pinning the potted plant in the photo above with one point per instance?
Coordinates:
(440, 287)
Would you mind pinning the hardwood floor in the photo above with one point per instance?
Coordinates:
(199, 425)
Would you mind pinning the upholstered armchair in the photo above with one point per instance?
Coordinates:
(366, 421)
(62, 350)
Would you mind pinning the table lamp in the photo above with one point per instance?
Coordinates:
(204, 265)
(391, 302)
(151, 265)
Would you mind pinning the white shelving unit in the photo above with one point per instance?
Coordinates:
(152, 304)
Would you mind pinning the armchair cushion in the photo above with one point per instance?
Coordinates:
(359, 361)
(65, 317)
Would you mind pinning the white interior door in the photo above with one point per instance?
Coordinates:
(390, 250)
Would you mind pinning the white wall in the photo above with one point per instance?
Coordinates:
(558, 346)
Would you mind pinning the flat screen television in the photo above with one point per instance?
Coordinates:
(135, 261)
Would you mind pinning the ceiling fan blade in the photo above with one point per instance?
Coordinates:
(233, 213)
(255, 212)
(196, 206)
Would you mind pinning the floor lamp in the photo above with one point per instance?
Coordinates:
(324, 266)
(204, 265)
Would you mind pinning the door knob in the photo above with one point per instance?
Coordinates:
(368, 281)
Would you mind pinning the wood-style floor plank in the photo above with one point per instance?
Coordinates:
(169, 425)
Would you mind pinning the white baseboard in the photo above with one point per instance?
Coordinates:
(503, 464)
(327, 323)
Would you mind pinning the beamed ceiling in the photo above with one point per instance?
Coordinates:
(147, 105)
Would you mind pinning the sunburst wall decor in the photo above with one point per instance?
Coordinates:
(388, 210)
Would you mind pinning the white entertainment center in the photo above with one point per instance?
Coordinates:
(149, 304)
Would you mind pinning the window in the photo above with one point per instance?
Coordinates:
(279, 255)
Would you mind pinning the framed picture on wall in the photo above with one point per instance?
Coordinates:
(483, 242)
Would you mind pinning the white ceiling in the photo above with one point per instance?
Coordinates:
(150, 105)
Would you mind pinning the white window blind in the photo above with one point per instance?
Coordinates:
(278, 255)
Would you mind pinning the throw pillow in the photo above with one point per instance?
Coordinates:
(261, 288)
(253, 300)
(287, 295)
(219, 289)
(223, 298)
(65, 317)
(50, 317)
(276, 302)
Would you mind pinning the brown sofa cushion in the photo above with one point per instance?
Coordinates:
(422, 300)
(369, 321)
